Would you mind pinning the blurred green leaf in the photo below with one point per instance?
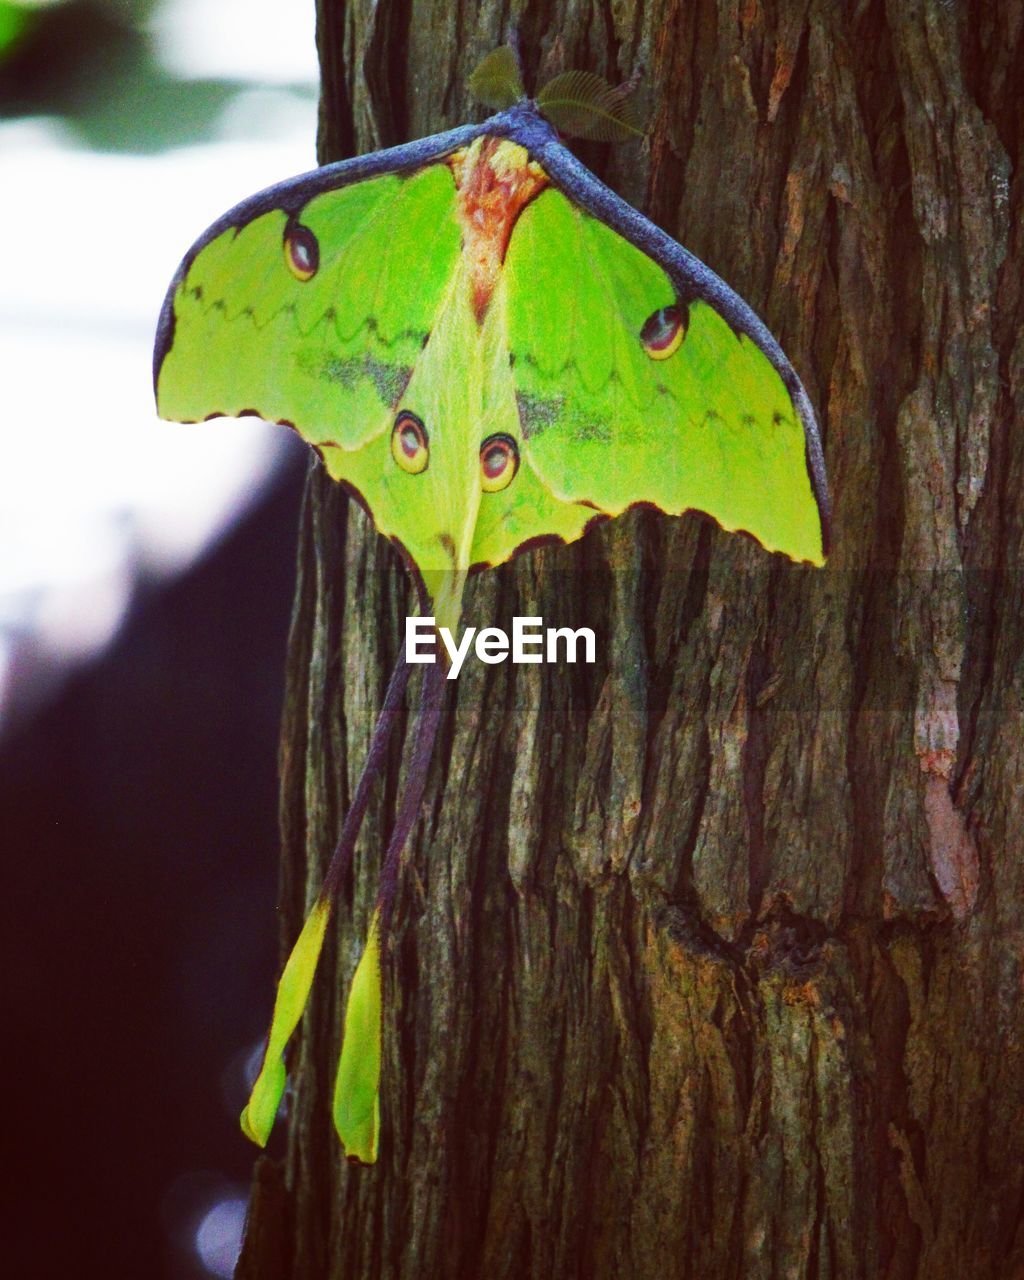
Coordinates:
(14, 21)
(92, 63)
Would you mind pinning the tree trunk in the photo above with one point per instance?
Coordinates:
(709, 959)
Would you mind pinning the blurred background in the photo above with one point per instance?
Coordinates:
(146, 572)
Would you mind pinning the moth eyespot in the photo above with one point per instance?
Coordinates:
(499, 462)
(663, 333)
(301, 251)
(409, 445)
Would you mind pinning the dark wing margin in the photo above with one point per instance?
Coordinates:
(689, 275)
(294, 193)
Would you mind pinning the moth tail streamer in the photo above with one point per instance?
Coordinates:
(341, 859)
(260, 1111)
(357, 1084)
(293, 988)
(356, 1108)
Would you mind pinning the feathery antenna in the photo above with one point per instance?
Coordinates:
(585, 105)
(497, 81)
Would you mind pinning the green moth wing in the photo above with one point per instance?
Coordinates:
(350, 320)
(629, 391)
(322, 319)
(314, 319)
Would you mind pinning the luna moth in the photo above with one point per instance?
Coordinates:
(490, 349)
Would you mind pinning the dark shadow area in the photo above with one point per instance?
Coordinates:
(139, 829)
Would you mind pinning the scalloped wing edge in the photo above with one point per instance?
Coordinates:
(602, 517)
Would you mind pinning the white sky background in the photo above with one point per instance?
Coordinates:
(94, 489)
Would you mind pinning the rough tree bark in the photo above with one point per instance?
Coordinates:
(711, 956)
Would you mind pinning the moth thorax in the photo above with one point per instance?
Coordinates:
(495, 181)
